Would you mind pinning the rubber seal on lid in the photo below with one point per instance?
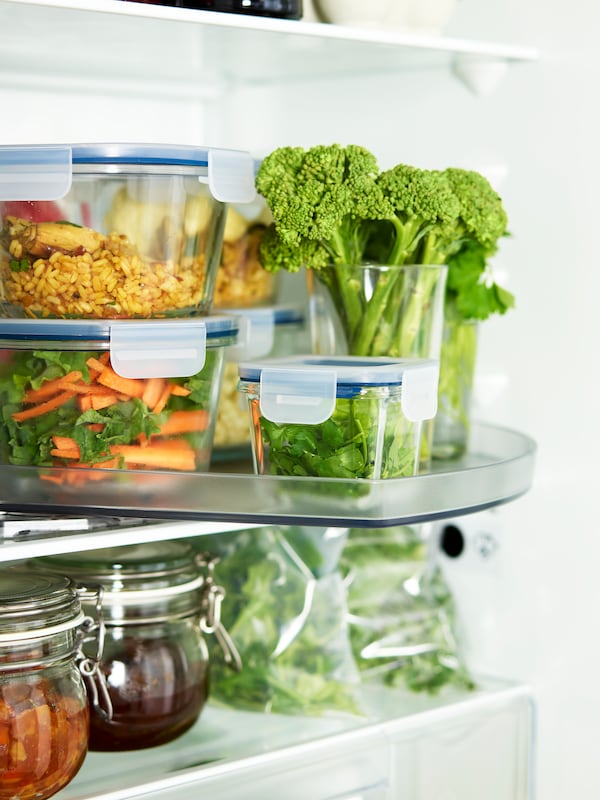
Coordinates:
(131, 153)
(40, 172)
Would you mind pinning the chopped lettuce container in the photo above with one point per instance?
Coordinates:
(263, 332)
(98, 395)
(115, 231)
(242, 281)
(338, 417)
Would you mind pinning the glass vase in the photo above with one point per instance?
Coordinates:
(379, 310)
(457, 371)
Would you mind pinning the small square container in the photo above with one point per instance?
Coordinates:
(113, 231)
(338, 417)
(242, 281)
(274, 331)
(123, 394)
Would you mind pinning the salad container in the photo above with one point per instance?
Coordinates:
(110, 231)
(264, 331)
(338, 417)
(111, 395)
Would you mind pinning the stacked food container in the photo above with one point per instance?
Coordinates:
(111, 358)
(109, 256)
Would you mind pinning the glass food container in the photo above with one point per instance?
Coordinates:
(270, 331)
(123, 394)
(112, 231)
(44, 716)
(338, 417)
(152, 604)
(242, 281)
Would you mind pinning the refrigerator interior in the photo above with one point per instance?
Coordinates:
(525, 582)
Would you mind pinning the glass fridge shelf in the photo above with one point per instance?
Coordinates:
(241, 755)
(498, 468)
(205, 53)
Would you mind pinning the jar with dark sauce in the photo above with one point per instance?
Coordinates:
(44, 717)
(148, 676)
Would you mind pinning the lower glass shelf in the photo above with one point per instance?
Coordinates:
(498, 468)
(458, 743)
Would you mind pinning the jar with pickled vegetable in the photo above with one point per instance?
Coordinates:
(44, 717)
(152, 604)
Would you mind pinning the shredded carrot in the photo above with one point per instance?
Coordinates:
(128, 386)
(110, 463)
(155, 456)
(179, 391)
(95, 427)
(84, 401)
(185, 422)
(89, 388)
(95, 364)
(43, 408)
(153, 391)
(75, 454)
(52, 387)
(99, 401)
(65, 443)
(163, 399)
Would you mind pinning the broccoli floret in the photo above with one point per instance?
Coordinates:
(482, 222)
(323, 194)
(275, 254)
(423, 211)
(482, 213)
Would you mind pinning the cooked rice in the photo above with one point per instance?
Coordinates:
(114, 281)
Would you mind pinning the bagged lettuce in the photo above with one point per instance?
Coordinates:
(400, 611)
(286, 613)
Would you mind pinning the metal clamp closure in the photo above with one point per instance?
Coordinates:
(210, 620)
(94, 630)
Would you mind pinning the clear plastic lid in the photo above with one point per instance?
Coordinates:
(139, 348)
(259, 327)
(304, 389)
(45, 172)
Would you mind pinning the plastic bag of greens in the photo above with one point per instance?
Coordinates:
(286, 613)
(401, 612)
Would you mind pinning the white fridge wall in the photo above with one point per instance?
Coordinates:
(530, 612)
